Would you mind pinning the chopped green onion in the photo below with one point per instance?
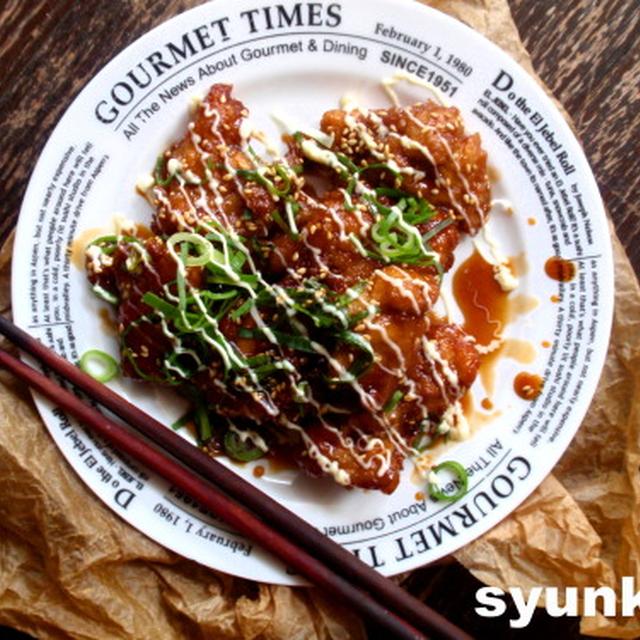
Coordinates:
(379, 166)
(256, 176)
(460, 472)
(243, 309)
(347, 162)
(291, 208)
(239, 449)
(422, 439)
(203, 247)
(181, 280)
(443, 224)
(107, 244)
(253, 153)
(160, 304)
(357, 341)
(382, 166)
(362, 363)
(201, 417)
(157, 174)
(277, 218)
(391, 193)
(297, 343)
(183, 421)
(177, 361)
(393, 401)
(284, 176)
(212, 166)
(99, 365)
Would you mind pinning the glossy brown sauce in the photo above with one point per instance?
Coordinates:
(519, 264)
(486, 404)
(528, 385)
(486, 309)
(466, 403)
(475, 418)
(142, 231)
(108, 322)
(521, 351)
(279, 461)
(520, 305)
(258, 471)
(79, 244)
(480, 298)
(559, 269)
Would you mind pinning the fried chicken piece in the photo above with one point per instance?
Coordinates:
(327, 250)
(205, 161)
(438, 358)
(404, 290)
(353, 431)
(138, 267)
(438, 160)
(436, 383)
(373, 467)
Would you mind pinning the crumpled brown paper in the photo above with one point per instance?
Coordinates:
(70, 568)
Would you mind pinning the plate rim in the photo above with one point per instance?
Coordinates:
(598, 213)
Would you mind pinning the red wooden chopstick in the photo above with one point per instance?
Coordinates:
(311, 549)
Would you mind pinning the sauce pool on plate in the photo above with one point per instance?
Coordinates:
(560, 269)
(528, 385)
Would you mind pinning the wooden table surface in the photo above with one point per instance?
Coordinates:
(585, 50)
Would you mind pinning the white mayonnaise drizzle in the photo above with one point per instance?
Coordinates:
(368, 450)
(145, 182)
(488, 247)
(290, 126)
(402, 76)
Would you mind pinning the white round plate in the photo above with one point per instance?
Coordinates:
(301, 59)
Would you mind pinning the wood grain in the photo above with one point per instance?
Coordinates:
(585, 50)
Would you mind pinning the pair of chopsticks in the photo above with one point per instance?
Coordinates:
(251, 512)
